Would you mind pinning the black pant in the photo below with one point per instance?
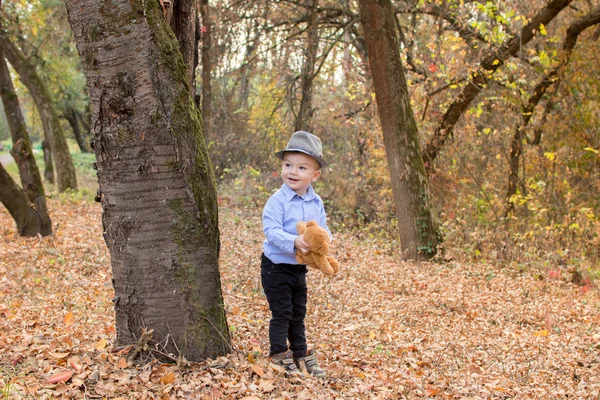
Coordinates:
(285, 287)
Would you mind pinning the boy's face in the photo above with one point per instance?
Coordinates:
(299, 170)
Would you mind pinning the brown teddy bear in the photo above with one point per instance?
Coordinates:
(319, 242)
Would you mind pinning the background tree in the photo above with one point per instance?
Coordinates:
(27, 205)
(157, 187)
(65, 171)
(418, 234)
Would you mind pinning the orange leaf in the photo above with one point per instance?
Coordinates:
(101, 344)
(69, 319)
(60, 377)
(168, 378)
(585, 289)
(122, 363)
(543, 332)
(258, 370)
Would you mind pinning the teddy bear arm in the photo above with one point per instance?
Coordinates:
(323, 264)
(335, 264)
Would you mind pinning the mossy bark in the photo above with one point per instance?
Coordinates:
(419, 237)
(157, 188)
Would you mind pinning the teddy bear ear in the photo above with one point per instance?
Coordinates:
(301, 227)
(312, 222)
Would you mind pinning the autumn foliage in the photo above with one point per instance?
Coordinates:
(383, 329)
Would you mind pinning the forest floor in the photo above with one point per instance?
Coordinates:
(383, 329)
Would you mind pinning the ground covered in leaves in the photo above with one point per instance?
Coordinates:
(384, 329)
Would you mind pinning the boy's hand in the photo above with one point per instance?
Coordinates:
(301, 245)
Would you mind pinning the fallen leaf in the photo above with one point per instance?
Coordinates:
(101, 344)
(59, 356)
(543, 332)
(69, 319)
(60, 377)
(258, 370)
(266, 386)
(474, 369)
(585, 289)
(17, 360)
(122, 363)
(168, 378)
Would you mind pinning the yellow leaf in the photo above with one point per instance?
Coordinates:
(543, 332)
(101, 344)
(371, 335)
(69, 319)
(496, 62)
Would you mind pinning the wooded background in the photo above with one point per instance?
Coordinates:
(507, 120)
(460, 132)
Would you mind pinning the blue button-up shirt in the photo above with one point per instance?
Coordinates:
(282, 212)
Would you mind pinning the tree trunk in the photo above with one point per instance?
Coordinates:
(419, 237)
(23, 155)
(183, 23)
(71, 116)
(206, 68)
(18, 205)
(303, 120)
(65, 171)
(156, 183)
(480, 78)
(48, 166)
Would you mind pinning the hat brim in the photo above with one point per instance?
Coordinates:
(321, 162)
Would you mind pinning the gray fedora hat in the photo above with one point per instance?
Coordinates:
(307, 143)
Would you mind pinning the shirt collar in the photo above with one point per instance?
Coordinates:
(289, 193)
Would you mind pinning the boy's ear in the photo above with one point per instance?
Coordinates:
(316, 175)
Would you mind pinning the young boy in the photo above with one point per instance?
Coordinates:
(283, 279)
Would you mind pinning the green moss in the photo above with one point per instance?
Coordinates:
(95, 33)
(172, 165)
(89, 59)
(196, 230)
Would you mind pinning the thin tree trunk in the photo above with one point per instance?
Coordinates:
(183, 23)
(303, 120)
(156, 182)
(250, 53)
(65, 171)
(48, 165)
(84, 119)
(480, 78)
(206, 68)
(419, 237)
(71, 116)
(23, 155)
(18, 205)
